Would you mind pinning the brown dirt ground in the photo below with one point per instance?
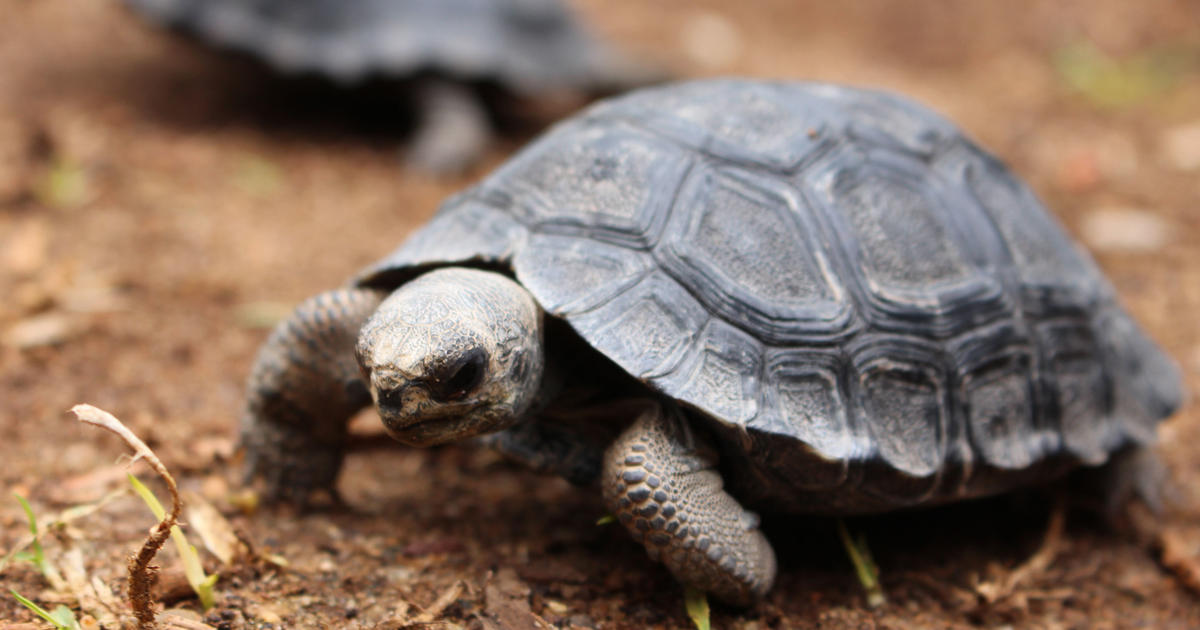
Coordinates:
(157, 200)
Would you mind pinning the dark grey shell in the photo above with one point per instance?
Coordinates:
(526, 44)
(874, 311)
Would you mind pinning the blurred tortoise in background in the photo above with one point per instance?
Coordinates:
(449, 48)
(717, 294)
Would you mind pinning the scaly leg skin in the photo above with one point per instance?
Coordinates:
(659, 481)
(303, 390)
(547, 448)
(453, 128)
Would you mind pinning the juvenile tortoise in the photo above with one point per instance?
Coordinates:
(728, 293)
(449, 48)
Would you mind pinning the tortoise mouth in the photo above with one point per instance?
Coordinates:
(428, 427)
(421, 433)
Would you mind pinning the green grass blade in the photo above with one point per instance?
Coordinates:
(41, 612)
(38, 558)
(28, 515)
(864, 565)
(696, 603)
(202, 584)
(148, 497)
(65, 616)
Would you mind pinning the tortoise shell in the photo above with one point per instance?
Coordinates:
(527, 45)
(869, 309)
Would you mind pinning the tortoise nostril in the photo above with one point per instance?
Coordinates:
(391, 398)
(389, 389)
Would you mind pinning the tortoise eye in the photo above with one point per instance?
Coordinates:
(460, 377)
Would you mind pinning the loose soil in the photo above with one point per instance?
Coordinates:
(161, 204)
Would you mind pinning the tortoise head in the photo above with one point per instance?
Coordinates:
(455, 353)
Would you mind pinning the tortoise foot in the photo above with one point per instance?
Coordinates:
(659, 481)
(288, 467)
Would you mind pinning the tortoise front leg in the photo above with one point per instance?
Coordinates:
(303, 390)
(659, 480)
(548, 448)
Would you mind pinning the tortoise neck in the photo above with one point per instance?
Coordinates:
(577, 377)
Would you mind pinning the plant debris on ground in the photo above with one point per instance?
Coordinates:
(161, 204)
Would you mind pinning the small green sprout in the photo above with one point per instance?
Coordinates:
(1118, 82)
(696, 603)
(64, 185)
(201, 583)
(605, 520)
(34, 554)
(61, 618)
(864, 565)
(258, 177)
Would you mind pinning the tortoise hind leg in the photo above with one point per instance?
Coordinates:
(659, 480)
(1135, 473)
(303, 390)
(453, 128)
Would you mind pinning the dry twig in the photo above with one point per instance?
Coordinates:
(1005, 586)
(1176, 556)
(435, 610)
(141, 573)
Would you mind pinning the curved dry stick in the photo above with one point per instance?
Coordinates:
(993, 591)
(141, 574)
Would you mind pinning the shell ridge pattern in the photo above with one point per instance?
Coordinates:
(722, 374)
(465, 229)
(571, 282)
(1154, 385)
(995, 377)
(1068, 293)
(999, 375)
(806, 396)
(1080, 388)
(1009, 414)
(915, 272)
(669, 318)
(684, 134)
(901, 394)
(799, 298)
(544, 184)
(866, 302)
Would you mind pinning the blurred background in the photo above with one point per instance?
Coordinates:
(161, 205)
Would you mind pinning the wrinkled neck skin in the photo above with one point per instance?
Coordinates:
(452, 354)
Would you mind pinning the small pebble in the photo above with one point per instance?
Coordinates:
(266, 615)
(1124, 229)
(710, 39)
(47, 329)
(581, 621)
(26, 247)
(1082, 157)
(1179, 147)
